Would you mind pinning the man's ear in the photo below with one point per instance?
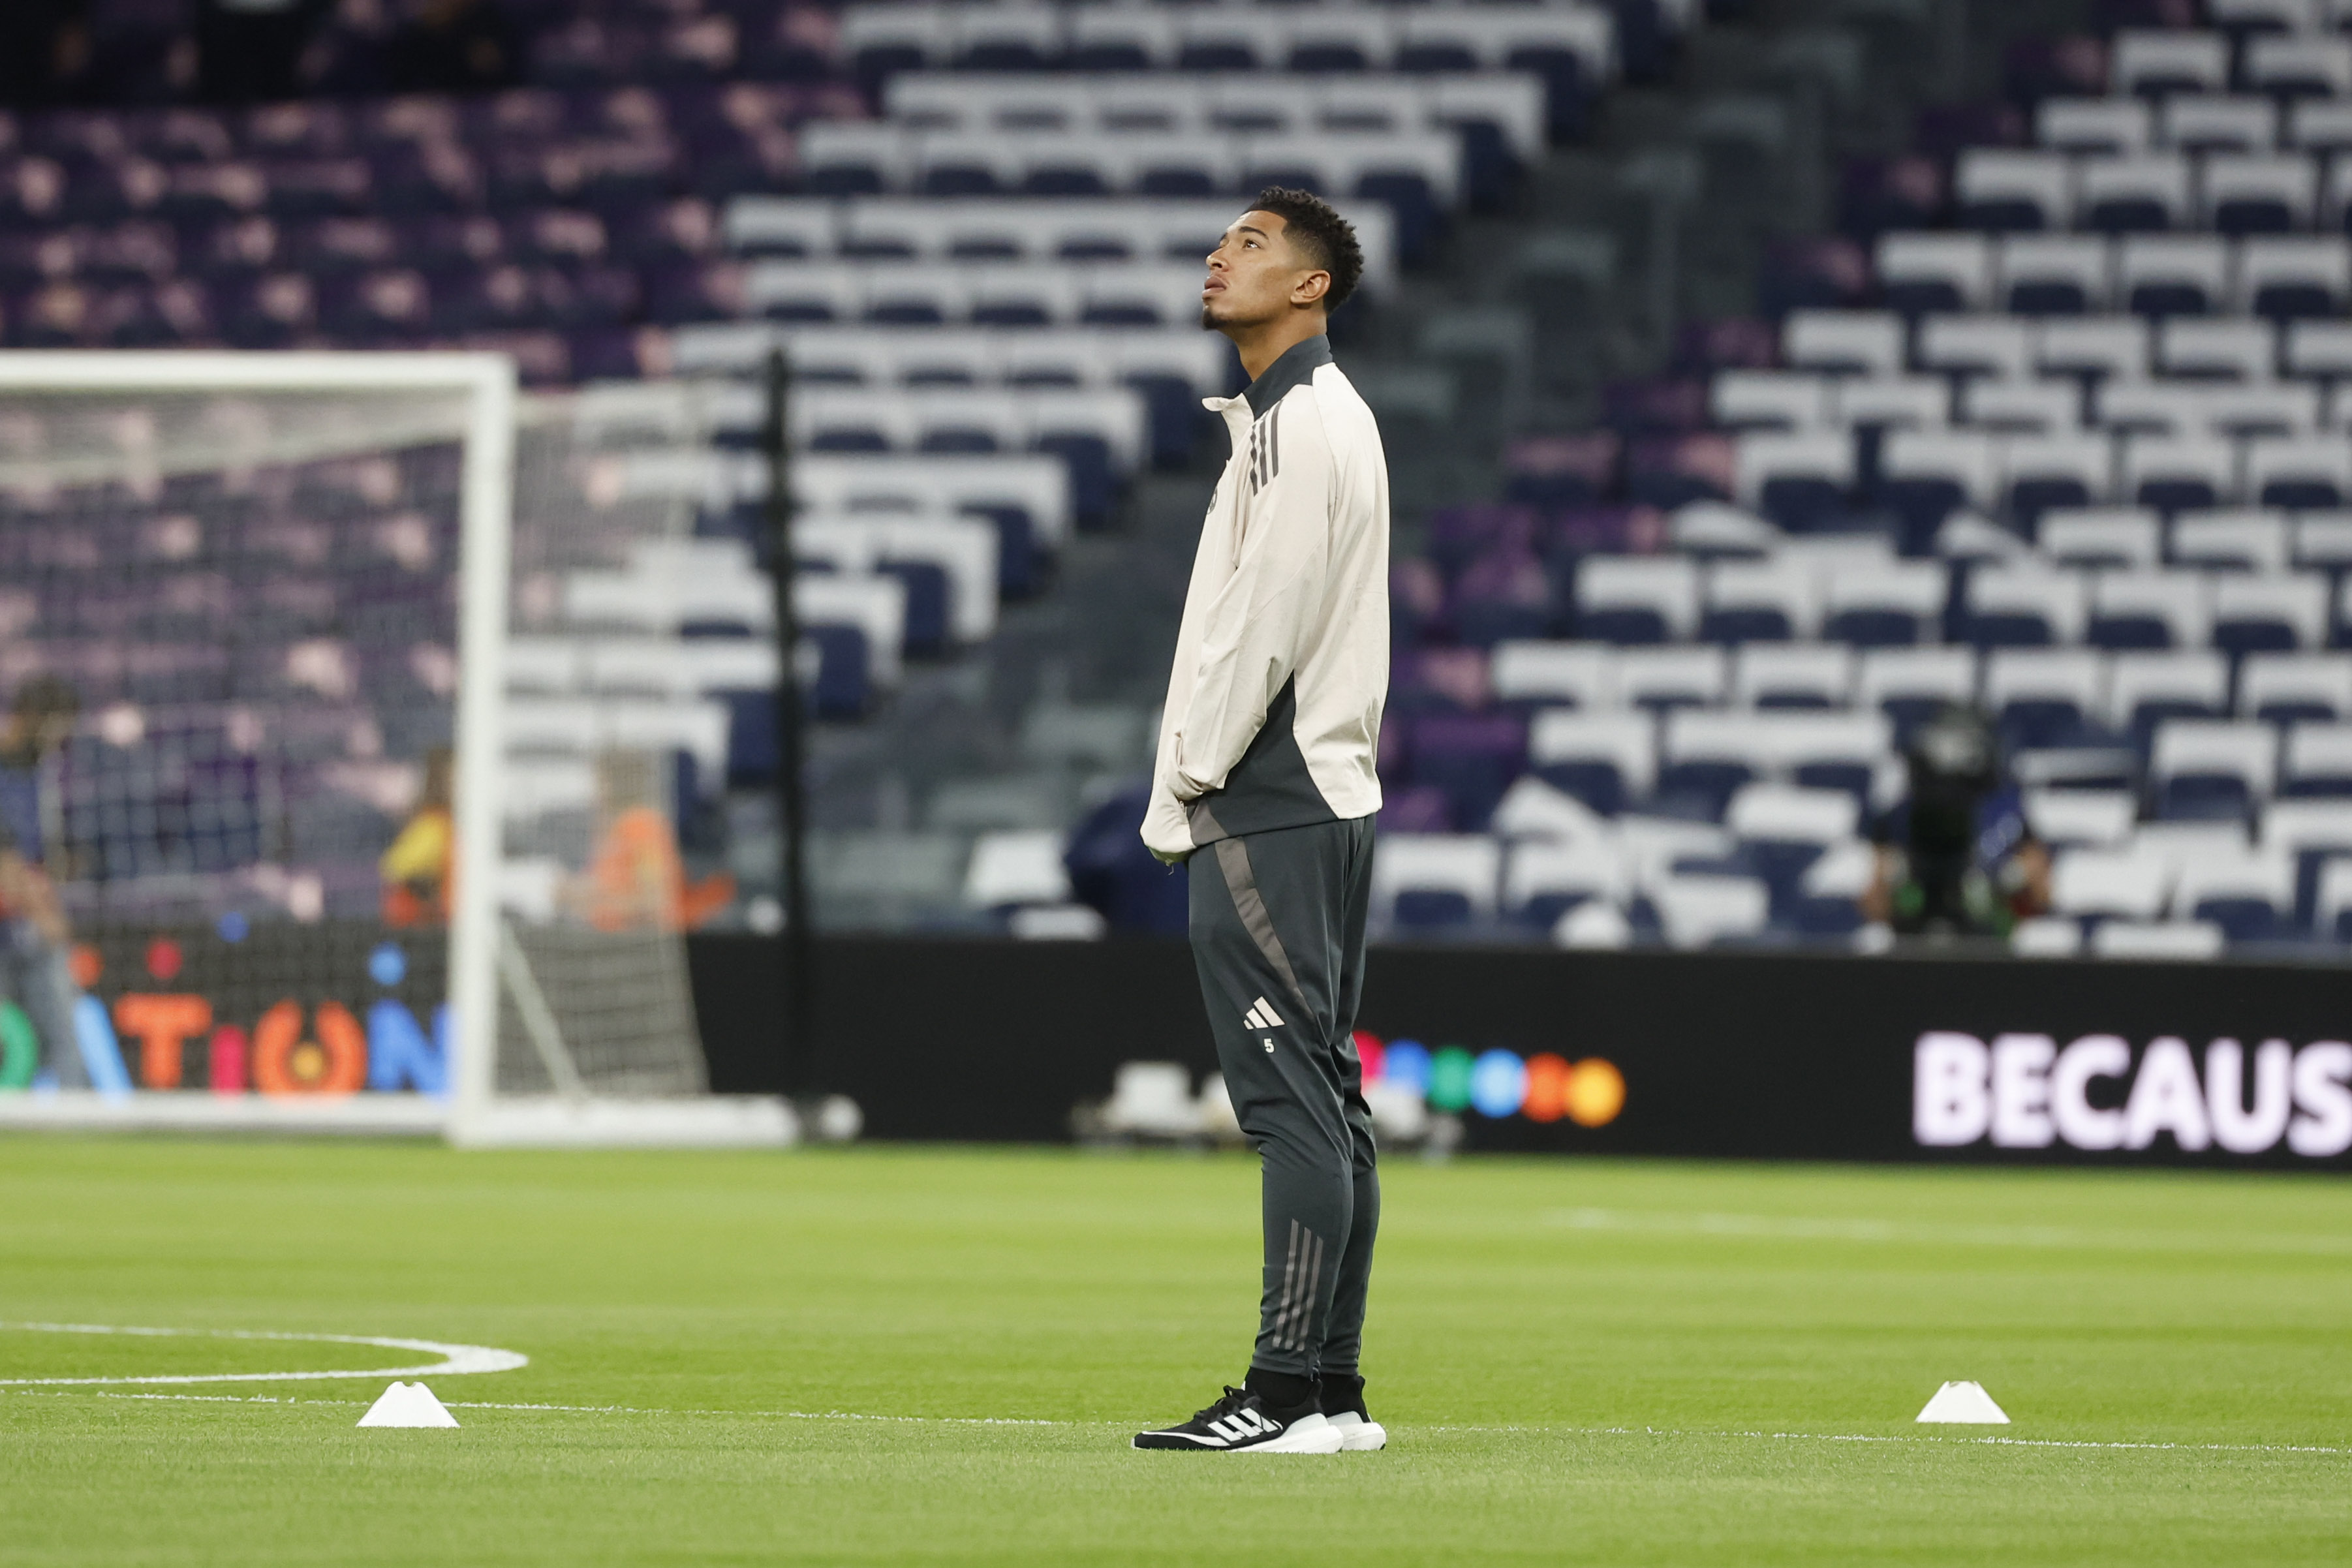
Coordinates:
(1311, 288)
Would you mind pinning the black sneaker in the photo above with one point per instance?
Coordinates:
(1342, 1403)
(1243, 1423)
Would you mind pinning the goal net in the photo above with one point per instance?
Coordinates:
(278, 844)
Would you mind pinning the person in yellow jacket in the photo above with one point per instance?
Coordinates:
(419, 867)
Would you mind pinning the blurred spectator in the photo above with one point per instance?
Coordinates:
(1956, 856)
(635, 875)
(250, 51)
(43, 47)
(416, 868)
(452, 45)
(36, 943)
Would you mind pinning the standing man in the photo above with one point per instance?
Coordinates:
(1264, 785)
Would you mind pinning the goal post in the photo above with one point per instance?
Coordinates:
(112, 445)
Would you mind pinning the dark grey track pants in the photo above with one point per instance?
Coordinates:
(1277, 923)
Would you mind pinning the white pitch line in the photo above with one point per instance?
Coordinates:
(1021, 1421)
(456, 1360)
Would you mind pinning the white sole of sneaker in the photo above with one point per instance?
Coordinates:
(1321, 1438)
(1363, 1436)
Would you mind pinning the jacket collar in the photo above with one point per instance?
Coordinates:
(1298, 363)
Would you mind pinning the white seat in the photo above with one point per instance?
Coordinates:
(2335, 895)
(2297, 603)
(2181, 602)
(2102, 536)
(2317, 124)
(2305, 827)
(1589, 868)
(2291, 182)
(2084, 458)
(2113, 346)
(2318, 752)
(2125, 883)
(1669, 675)
(1700, 911)
(1905, 403)
(2275, 411)
(2005, 177)
(1665, 586)
(1770, 812)
(1625, 741)
(1793, 673)
(1998, 347)
(1962, 263)
(2305, 63)
(2196, 679)
(2075, 678)
(2239, 539)
(1848, 342)
(1770, 400)
(2160, 178)
(2168, 409)
(2058, 600)
(2296, 685)
(2321, 261)
(2319, 348)
(2219, 747)
(2018, 407)
(2110, 125)
(1022, 866)
(2252, 874)
(2066, 818)
(1969, 459)
(2299, 467)
(2217, 122)
(1782, 586)
(1469, 864)
(2201, 461)
(1766, 455)
(2244, 351)
(1584, 673)
(1919, 676)
(543, 666)
(1913, 589)
(2040, 270)
(2144, 61)
(1531, 808)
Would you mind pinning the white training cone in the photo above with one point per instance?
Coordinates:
(412, 1404)
(1961, 1403)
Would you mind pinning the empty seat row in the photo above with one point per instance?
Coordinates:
(1800, 480)
(2120, 692)
(1882, 344)
(1164, 229)
(882, 356)
(1033, 489)
(2194, 123)
(917, 294)
(2050, 405)
(1510, 104)
(1423, 168)
(1574, 46)
(2168, 276)
(2298, 63)
(2007, 189)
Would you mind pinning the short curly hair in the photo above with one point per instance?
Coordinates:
(1322, 235)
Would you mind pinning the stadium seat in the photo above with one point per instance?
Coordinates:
(2157, 64)
(2146, 194)
(1542, 882)
(1771, 600)
(2112, 126)
(2268, 614)
(1770, 399)
(2145, 689)
(2022, 606)
(2282, 278)
(1843, 342)
(2300, 475)
(2124, 883)
(1635, 601)
(1920, 274)
(1997, 348)
(2249, 893)
(1884, 604)
(1607, 760)
(1435, 882)
(2288, 688)
(2174, 941)
(1670, 677)
(2045, 696)
(1792, 675)
(2052, 275)
(2316, 761)
(2046, 472)
(2233, 540)
(2197, 122)
(2211, 770)
(2105, 537)
(2005, 191)
(1926, 476)
(2065, 818)
(1580, 674)
(1786, 828)
(1909, 686)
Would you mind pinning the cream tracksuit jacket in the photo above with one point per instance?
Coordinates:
(1282, 663)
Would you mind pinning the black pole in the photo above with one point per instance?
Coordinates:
(791, 815)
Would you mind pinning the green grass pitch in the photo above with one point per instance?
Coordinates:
(890, 1356)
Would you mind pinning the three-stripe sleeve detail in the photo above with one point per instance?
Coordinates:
(1302, 1271)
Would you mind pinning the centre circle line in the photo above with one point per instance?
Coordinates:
(457, 1360)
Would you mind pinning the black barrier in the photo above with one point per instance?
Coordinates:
(1740, 1054)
